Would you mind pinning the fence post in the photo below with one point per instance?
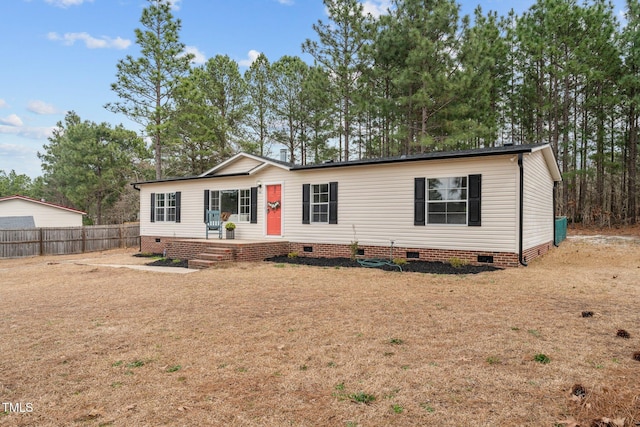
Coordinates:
(41, 242)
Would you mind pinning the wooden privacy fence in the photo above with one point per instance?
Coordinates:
(67, 240)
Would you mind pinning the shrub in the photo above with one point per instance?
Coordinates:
(457, 262)
(353, 250)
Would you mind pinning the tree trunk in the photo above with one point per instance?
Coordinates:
(632, 155)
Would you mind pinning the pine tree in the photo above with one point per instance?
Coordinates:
(339, 51)
(146, 85)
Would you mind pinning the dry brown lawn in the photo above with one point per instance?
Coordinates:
(262, 344)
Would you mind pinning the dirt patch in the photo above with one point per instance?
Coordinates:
(274, 344)
(409, 266)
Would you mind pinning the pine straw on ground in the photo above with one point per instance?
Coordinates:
(262, 344)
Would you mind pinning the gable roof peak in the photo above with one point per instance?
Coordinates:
(244, 155)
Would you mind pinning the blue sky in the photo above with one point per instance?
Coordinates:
(61, 55)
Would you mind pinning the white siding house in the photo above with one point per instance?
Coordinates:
(491, 205)
(18, 211)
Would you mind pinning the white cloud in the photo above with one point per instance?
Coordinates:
(11, 120)
(67, 3)
(175, 4)
(286, 2)
(41, 107)
(13, 149)
(199, 57)
(31, 132)
(3, 103)
(376, 7)
(21, 157)
(91, 42)
(251, 57)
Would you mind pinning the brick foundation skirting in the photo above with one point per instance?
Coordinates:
(321, 250)
(258, 251)
(529, 254)
(189, 249)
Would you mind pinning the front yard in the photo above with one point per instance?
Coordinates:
(268, 344)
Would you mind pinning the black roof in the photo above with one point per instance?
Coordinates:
(436, 155)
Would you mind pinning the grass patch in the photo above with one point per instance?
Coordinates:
(174, 368)
(542, 358)
(427, 407)
(362, 398)
(136, 364)
(493, 360)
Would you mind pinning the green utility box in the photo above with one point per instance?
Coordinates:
(561, 229)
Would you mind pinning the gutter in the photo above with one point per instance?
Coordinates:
(521, 219)
(135, 186)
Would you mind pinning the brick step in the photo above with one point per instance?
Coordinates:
(216, 250)
(211, 256)
(201, 264)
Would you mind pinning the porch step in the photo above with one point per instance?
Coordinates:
(210, 257)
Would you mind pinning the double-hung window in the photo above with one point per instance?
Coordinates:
(166, 207)
(320, 203)
(454, 200)
(244, 206)
(447, 200)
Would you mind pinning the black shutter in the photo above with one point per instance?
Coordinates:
(178, 199)
(475, 196)
(253, 213)
(153, 207)
(306, 202)
(206, 204)
(333, 203)
(419, 201)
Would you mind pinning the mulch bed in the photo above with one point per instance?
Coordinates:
(411, 266)
(169, 262)
(432, 267)
(163, 262)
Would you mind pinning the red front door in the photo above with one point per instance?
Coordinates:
(274, 210)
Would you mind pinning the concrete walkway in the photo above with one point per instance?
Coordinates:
(176, 270)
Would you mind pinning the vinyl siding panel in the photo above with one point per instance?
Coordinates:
(375, 205)
(241, 165)
(43, 216)
(378, 202)
(192, 207)
(538, 201)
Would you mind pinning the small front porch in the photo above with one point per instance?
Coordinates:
(204, 253)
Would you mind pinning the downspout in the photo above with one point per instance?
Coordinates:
(521, 219)
(135, 187)
(553, 216)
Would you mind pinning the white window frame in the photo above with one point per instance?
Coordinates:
(319, 203)
(451, 195)
(243, 208)
(165, 207)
